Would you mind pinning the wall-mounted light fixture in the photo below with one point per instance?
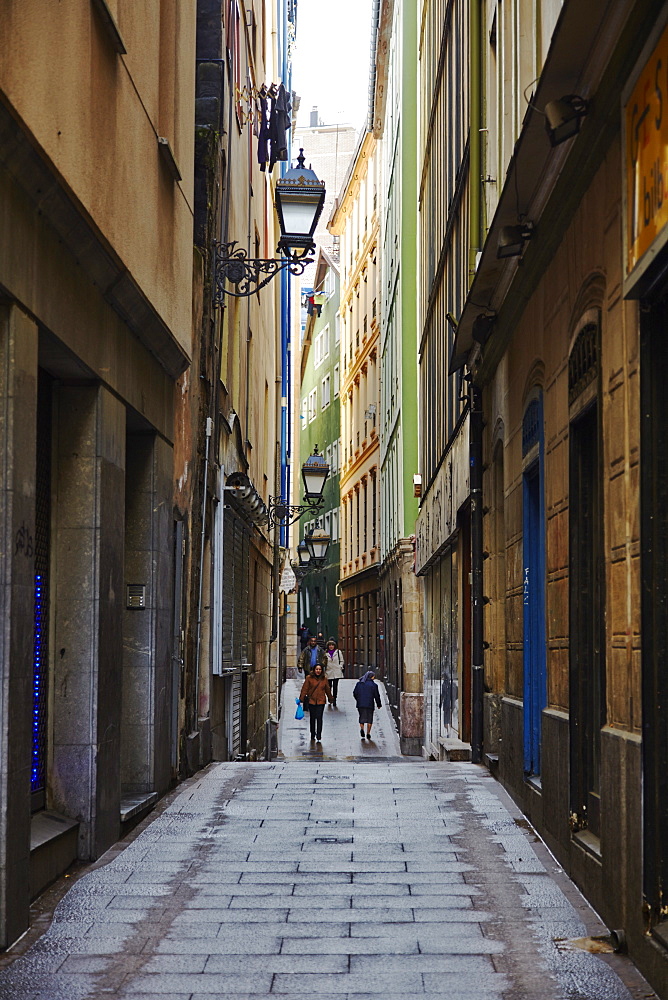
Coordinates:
(247, 497)
(512, 240)
(318, 543)
(314, 473)
(303, 553)
(299, 201)
(482, 327)
(564, 117)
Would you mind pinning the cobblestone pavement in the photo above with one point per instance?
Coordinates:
(326, 880)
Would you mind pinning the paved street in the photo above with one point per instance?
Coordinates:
(326, 880)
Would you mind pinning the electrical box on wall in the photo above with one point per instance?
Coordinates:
(136, 596)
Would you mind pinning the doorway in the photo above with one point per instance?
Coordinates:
(654, 602)
(586, 577)
(533, 582)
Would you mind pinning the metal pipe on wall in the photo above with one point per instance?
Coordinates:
(477, 668)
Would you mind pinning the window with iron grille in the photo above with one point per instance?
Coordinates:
(531, 426)
(583, 362)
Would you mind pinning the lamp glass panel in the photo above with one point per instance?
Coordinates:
(314, 480)
(299, 213)
(319, 544)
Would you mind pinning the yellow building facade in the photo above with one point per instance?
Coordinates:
(355, 221)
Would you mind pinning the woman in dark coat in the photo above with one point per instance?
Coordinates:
(366, 694)
(316, 691)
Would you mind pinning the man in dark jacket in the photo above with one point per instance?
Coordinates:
(366, 694)
(310, 656)
(304, 634)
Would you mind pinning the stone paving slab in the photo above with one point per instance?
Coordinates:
(420, 887)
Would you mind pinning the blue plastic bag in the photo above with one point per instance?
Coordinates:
(299, 714)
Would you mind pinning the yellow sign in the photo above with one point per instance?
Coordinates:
(646, 121)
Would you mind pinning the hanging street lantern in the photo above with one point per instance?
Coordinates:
(314, 473)
(318, 544)
(299, 200)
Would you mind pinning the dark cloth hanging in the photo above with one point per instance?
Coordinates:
(279, 123)
(263, 138)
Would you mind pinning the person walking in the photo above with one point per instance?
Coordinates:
(321, 641)
(311, 655)
(316, 692)
(304, 633)
(366, 694)
(334, 668)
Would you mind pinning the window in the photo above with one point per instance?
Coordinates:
(329, 283)
(328, 457)
(312, 404)
(304, 416)
(337, 328)
(325, 393)
(328, 523)
(366, 548)
(373, 511)
(321, 346)
(334, 465)
(335, 524)
(337, 380)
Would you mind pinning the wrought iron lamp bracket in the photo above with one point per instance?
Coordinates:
(284, 514)
(247, 274)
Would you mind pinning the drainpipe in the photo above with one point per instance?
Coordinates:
(475, 140)
(207, 446)
(475, 418)
(477, 673)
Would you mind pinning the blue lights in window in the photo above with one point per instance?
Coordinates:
(38, 690)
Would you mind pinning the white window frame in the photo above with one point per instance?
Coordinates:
(325, 393)
(337, 380)
(312, 405)
(321, 347)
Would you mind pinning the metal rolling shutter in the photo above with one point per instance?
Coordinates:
(235, 618)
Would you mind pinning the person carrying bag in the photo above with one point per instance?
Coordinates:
(316, 693)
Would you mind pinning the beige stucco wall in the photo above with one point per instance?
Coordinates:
(96, 114)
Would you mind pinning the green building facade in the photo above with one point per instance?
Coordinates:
(401, 593)
(319, 423)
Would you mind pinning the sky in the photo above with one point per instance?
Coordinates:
(331, 60)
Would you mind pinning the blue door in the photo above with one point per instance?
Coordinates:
(535, 671)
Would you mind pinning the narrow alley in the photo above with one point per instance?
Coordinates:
(332, 878)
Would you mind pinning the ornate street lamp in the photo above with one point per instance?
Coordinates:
(318, 544)
(303, 554)
(314, 473)
(299, 201)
